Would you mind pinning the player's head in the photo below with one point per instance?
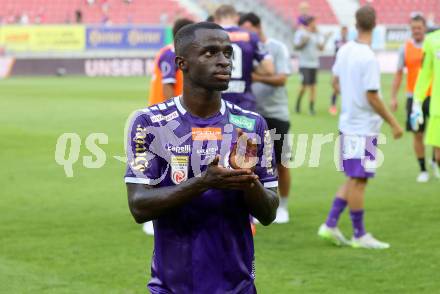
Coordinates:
(180, 23)
(204, 54)
(418, 27)
(365, 19)
(310, 22)
(344, 32)
(226, 14)
(210, 18)
(251, 22)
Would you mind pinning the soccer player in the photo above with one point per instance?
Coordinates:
(167, 80)
(247, 48)
(309, 42)
(429, 74)
(333, 110)
(272, 103)
(198, 166)
(356, 73)
(411, 56)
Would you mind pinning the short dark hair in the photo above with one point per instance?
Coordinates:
(210, 18)
(180, 23)
(366, 18)
(418, 17)
(224, 11)
(185, 36)
(250, 17)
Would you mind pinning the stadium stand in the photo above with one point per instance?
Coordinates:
(399, 11)
(92, 11)
(289, 10)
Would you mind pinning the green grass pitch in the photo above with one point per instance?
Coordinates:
(75, 235)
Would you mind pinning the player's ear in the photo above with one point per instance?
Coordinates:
(181, 63)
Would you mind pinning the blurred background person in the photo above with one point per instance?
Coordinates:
(309, 42)
(339, 42)
(167, 79)
(411, 57)
(272, 103)
(247, 49)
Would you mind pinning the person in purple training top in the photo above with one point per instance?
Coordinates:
(198, 166)
(247, 49)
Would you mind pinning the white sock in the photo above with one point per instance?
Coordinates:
(283, 201)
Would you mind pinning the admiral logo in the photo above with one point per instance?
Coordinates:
(160, 117)
(186, 149)
(206, 134)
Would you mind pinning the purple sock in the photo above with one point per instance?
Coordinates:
(357, 219)
(338, 207)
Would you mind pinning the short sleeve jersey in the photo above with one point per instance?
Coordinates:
(206, 245)
(358, 71)
(247, 48)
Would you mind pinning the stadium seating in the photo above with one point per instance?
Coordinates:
(399, 11)
(288, 9)
(100, 11)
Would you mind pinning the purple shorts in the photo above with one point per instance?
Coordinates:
(358, 155)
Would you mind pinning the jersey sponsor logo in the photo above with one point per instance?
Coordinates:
(185, 149)
(242, 121)
(160, 117)
(179, 169)
(206, 134)
(207, 151)
(239, 36)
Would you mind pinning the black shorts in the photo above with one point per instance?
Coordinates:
(282, 128)
(308, 76)
(425, 108)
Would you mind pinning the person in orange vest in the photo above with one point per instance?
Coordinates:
(167, 80)
(411, 57)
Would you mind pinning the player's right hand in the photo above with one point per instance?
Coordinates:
(219, 177)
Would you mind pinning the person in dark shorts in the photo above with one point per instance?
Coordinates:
(272, 103)
(309, 42)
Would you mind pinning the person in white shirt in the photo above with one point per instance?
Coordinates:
(357, 77)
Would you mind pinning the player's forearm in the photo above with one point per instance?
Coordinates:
(277, 80)
(266, 67)
(262, 203)
(147, 203)
(379, 107)
(396, 84)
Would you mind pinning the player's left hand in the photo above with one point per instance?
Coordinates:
(244, 153)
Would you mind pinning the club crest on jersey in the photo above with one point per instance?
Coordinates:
(179, 169)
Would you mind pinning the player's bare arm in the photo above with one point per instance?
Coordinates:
(148, 202)
(395, 90)
(265, 67)
(277, 80)
(302, 43)
(335, 84)
(379, 107)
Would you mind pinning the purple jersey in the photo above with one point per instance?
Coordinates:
(247, 48)
(167, 66)
(206, 245)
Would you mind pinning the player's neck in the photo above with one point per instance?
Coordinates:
(365, 37)
(201, 102)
